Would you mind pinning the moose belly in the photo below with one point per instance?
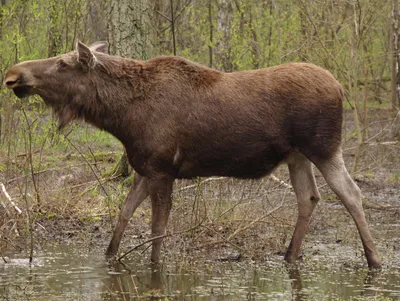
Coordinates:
(239, 165)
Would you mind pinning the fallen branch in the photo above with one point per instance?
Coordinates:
(201, 183)
(367, 204)
(212, 179)
(158, 237)
(372, 205)
(383, 143)
(283, 183)
(3, 188)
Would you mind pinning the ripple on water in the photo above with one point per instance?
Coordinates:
(69, 273)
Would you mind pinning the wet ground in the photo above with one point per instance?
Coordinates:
(328, 271)
(69, 263)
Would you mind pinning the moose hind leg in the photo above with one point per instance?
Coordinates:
(136, 196)
(337, 177)
(161, 203)
(303, 181)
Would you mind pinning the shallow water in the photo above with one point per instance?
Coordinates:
(69, 273)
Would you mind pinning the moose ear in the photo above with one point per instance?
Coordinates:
(85, 55)
(100, 46)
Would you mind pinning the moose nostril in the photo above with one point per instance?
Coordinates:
(11, 82)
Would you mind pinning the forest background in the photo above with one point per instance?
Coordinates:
(73, 176)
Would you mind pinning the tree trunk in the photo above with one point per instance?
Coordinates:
(255, 48)
(210, 23)
(54, 30)
(131, 33)
(223, 51)
(2, 2)
(130, 30)
(395, 42)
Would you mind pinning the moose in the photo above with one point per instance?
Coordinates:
(178, 119)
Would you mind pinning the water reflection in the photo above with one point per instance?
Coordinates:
(297, 286)
(125, 283)
(74, 274)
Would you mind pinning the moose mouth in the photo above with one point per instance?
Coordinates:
(22, 91)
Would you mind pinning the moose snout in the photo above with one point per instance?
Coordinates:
(11, 83)
(18, 81)
(12, 79)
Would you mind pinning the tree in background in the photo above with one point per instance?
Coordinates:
(131, 33)
(395, 49)
(131, 28)
(223, 59)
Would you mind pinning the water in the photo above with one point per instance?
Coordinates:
(69, 273)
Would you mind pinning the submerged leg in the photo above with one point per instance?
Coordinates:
(136, 196)
(303, 181)
(337, 177)
(160, 192)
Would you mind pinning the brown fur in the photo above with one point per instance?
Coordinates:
(178, 119)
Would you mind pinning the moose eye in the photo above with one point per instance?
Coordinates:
(61, 64)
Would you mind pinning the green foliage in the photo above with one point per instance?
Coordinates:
(345, 37)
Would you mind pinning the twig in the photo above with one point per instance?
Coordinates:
(89, 164)
(158, 237)
(283, 183)
(373, 205)
(243, 228)
(8, 241)
(212, 179)
(97, 178)
(2, 257)
(48, 170)
(30, 160)
(162, 15)
(200, 183)
(3, 188)
(255, 221)
(384, 143)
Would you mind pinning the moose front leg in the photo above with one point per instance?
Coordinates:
(160, 189)
(136, 196)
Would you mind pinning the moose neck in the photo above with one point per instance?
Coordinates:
(116, 89)
(120, 93)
